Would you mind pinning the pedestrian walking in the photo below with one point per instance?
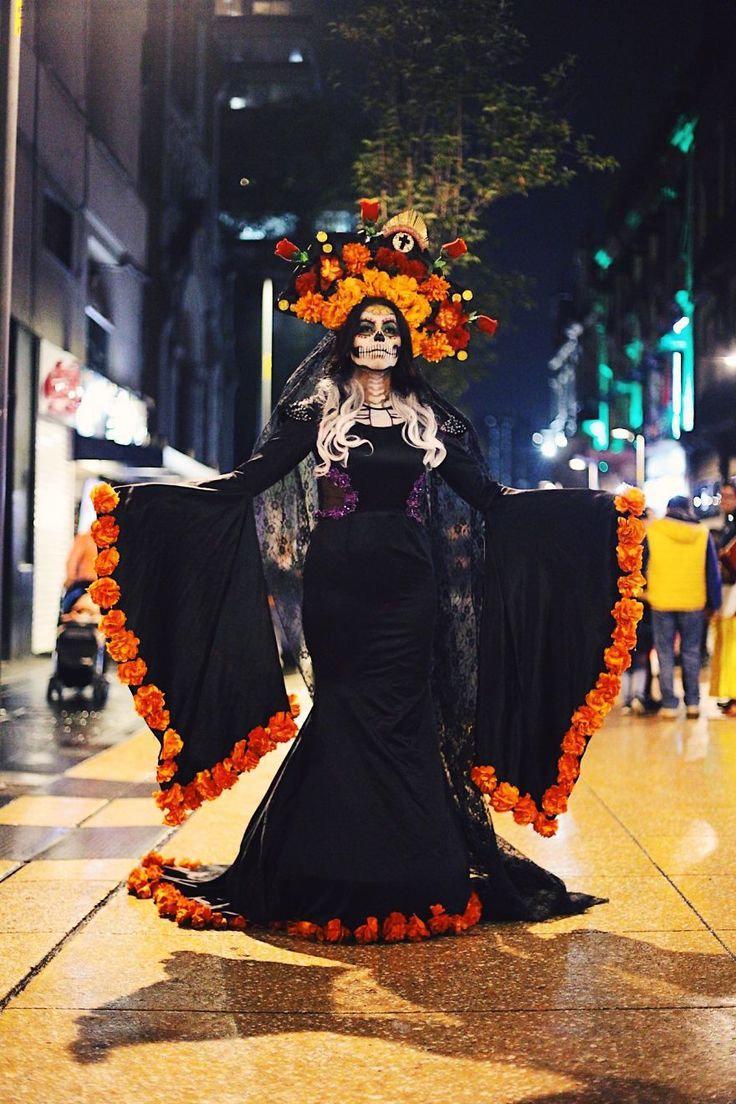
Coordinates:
(723, 666)
(681, 568)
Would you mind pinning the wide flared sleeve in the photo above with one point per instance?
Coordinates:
(188, 619)
(562, 574)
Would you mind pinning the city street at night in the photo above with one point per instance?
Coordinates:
(367, 552)
(632, 1003)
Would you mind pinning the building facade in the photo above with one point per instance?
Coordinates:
(655, 305)
(116, 363)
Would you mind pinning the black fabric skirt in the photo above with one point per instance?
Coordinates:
(359, 820)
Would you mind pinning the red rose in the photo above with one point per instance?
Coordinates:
(486, 324)
(286, 249)
(455, 248)
(369, 209)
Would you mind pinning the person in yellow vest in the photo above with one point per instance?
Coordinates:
(681, 568)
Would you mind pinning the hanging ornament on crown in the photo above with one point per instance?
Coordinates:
(390, 261)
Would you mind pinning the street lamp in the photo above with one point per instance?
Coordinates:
(730, 360)
(637, 440)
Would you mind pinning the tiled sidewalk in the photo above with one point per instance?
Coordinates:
(633, 1002)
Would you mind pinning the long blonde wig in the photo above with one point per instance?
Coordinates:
(334, 437)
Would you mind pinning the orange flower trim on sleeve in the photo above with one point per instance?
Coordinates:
(599, 701)
(150, 701)
(147, 882)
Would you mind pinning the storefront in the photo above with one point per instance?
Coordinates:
(87, 428)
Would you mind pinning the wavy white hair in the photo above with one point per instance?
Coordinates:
(334, 439)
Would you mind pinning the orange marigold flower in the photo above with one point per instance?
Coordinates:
(294, 705)
(473, 910)
(630, 531)
(356, 256)
(123, 646)
(632, 500)
(436, 347)
(335, 313)
(484, 778)
(628, 610)
(104, 592)
(133, 674)
(610, 684)
(112, 622)
(107, 560)
(282, 727)
(335, 931)
(166, 770)
(159, 719)
(368, 932)
(306, 282)
(104, 498)
(525, 810)
(459, 338)
(449, 316)
(237, 923)
(573, 742)
(171, 744)
(303, 929)
(504, 797)
(260, 742)
(394, 927)
(416, 929)
(223, 778)
(587, 720)
(330, 270)
(599, 700)
(105, 531)
(148, 699)
(439, 922)
(554, 800)
(309, 307)
(568, 767)
(206, 786)
(630, 559)
(617, 658)
(434, 288)
(631, 585)
(544, 826)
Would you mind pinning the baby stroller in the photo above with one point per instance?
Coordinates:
(79, 659)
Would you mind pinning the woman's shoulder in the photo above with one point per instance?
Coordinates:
(308, 409)
(450, 422)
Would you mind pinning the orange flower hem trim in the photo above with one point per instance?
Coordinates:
(588, 717)
(147, 882)
(149, 701)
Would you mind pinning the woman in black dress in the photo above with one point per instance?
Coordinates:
(375, 826)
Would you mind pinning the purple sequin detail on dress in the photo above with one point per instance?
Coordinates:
(413, 502)
(340, 478)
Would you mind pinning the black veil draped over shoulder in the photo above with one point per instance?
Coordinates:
(525, 593)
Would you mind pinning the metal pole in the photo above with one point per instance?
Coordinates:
(12, 12)
(641, 463)
(266, 349)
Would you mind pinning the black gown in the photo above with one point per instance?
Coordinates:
(363, 818)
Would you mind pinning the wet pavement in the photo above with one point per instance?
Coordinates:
(633, 1002)
(38, 740)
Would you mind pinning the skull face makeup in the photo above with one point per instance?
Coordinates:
(377, 342)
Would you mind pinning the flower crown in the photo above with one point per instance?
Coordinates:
(390, 262)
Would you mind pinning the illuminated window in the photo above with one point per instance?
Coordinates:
(228, 7)
(272, 7)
